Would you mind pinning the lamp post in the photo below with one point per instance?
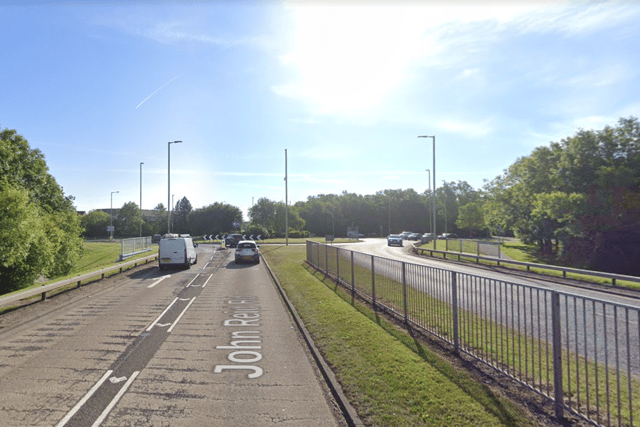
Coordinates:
(141, 163)
(169, 182)
(111, 216)
(286, 200)
(429, 193)
(171, 212)
(435, 234)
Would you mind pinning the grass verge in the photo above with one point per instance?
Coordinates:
(389, 377)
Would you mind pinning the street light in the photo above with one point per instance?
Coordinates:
(171, 212)
(435, 234)
(141, 163)
(169, 182)
(429, 193)
(111, 220)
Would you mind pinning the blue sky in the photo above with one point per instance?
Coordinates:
(346, 89)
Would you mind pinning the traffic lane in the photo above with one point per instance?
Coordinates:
(234, 359)
(50, 362)
(378, 247)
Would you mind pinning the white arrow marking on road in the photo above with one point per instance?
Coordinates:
(185, 299)
(115, 380)
(162, 325)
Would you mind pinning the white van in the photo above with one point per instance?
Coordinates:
(176, 250)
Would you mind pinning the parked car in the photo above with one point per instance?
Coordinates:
(176, 251)
(394, 240)
(232, 240)
(405, 234)
(247, 250)
(156, 238)
(445, 236)
(413, 236)
(426, 237)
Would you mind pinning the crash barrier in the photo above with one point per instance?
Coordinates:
(43, 290)
(135, 246)
(581, 353)
(528, 265)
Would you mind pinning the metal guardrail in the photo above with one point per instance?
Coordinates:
(529, 265)
(78, 280)
(581, 353)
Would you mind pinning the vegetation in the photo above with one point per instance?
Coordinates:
(390, 378)
(39, 227)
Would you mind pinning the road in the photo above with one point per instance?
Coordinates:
(209, 346)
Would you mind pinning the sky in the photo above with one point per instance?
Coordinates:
(346, 88)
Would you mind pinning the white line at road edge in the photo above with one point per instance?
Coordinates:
(180, 316)
(115, 400)
(161, 314)
(82, 401)
(205, 283)
(158, 281)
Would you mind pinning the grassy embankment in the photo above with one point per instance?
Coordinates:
(95, 256)
(390, 378)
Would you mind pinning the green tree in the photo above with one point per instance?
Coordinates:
(39, 227)
(471, 218)
(128, 222)
(95, 224)
(180, 213)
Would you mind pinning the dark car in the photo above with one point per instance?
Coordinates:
(156, 238)
(413, 236)
(232, 240)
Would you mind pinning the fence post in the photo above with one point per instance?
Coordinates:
(373, 283)
(404, 293)
(338, 265)
(353, 281)
(318, 256)
(454, 303)
(557, 354)
(326, 260)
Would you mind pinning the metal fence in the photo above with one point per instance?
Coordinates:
(580, 352)
(135, 246)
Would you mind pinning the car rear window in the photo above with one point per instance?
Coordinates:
(246, 245)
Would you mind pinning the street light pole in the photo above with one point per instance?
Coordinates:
(429, 193)
(286, 200)
(169, 183)
(141, 163)
(435, 234)
(111, 216)
(171, 211)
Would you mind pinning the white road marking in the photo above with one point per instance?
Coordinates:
(158, 281)
(82, 401)
(180, 316)
(205, 283)
(161, 314)
(115, 400)
(115, 380)
(192, 280)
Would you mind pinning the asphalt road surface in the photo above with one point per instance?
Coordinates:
(209, 346)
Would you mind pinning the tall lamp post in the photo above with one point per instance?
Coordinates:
(111, 221)
(171, 212)
(141, 163)
(435, 234)
(169, 183)
(429, 193)
(286, 200)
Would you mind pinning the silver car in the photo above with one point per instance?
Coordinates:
(394, 240)
(247, 250)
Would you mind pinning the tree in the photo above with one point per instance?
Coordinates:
(129, 220)
(95, 224)
(471, 217)
(39, 227)
(217, 218)
(180, 214)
